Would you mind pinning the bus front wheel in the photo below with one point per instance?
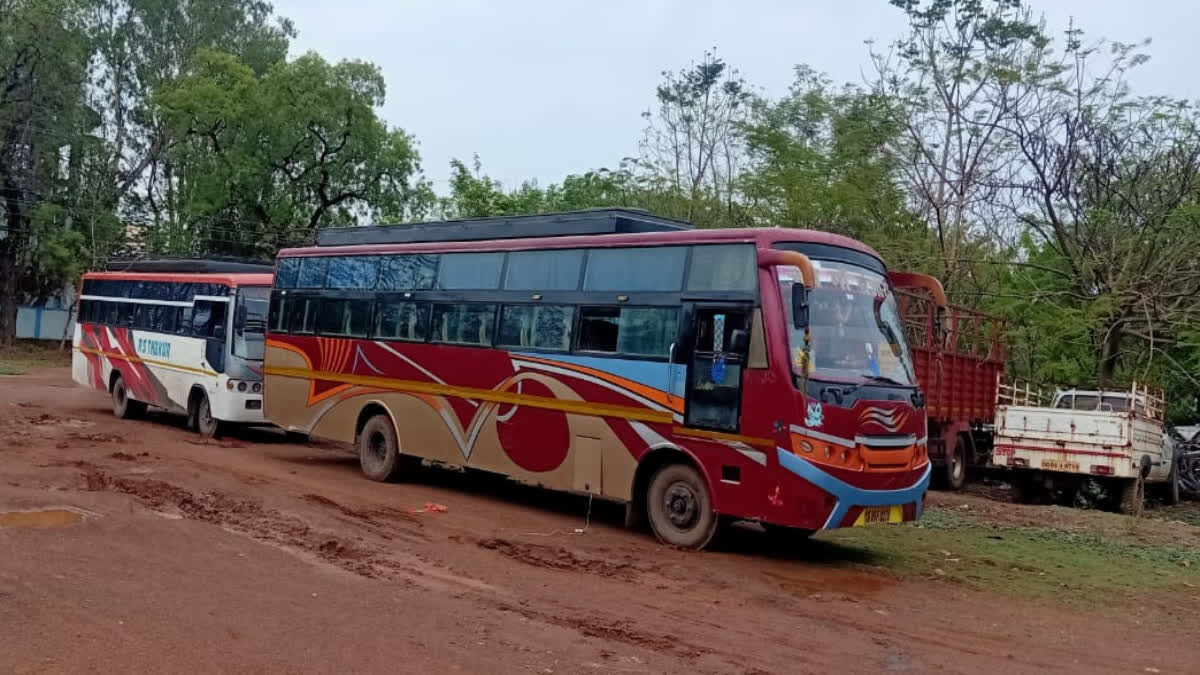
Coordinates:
(207, 425)
(123, 406)
(679, 507)
(378, 450)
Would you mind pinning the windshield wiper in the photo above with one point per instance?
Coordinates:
(884, 379)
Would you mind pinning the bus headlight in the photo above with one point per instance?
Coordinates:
(241, 386)
(257, 387)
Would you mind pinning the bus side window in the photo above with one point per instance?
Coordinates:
(208, 319)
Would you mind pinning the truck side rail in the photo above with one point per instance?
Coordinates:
(1022, 393)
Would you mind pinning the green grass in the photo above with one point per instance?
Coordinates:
(1072, 566)
(27, 356)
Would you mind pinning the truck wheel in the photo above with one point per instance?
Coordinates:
(378, 449)
(1171, 489)
(1133, 496)
(679, 507)
(956, 467)
(123, 406)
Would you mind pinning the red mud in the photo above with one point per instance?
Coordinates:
(254, 555)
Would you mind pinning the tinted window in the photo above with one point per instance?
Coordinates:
(344, 317)
(470, 270)
(88, 287)
(183, 321)
(208, 319)
(143, 317)
(731, 267)
(108, 313)
(353, 272)
(163, 319)
(302, 315)
(543, 270)
(536, 326)
(124, 314)
(407, 272)
(183, 292)
(286, 272)
(401, 321)
(277, 315)
(312, 272)
(463, 324)
(638, 331)
(635, 269)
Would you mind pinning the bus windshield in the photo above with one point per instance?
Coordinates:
(854, 323)
(251, 321)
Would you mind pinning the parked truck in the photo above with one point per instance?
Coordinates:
(959, 356)
(1058, 443)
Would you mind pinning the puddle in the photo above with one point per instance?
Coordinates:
(42, 518)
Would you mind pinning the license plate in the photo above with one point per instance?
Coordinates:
(1060, 465)
(879, 515)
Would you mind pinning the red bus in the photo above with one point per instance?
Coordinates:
(699, 376)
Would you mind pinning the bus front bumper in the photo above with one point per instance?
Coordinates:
(858, 506)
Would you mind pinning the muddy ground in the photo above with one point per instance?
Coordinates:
(250, 554)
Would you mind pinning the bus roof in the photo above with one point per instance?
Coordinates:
(763, 237)
(233, 280)
(529, 226)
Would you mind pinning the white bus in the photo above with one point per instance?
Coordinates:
(183, 336)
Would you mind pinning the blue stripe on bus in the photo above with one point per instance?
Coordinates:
(653, 374)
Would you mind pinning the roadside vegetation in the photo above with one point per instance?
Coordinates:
(1055, 553)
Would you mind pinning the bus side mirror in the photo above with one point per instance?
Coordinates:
(799, 306)
(739, 341)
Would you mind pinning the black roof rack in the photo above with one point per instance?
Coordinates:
(216, 265)
(562, 224)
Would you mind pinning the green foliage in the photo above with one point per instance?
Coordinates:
(266, 160)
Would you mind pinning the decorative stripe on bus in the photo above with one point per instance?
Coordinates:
(415, 387)
(138, 359)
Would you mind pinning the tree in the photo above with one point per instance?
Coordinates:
(691, 147)
(821, 159)
(140, 48)
(940, 78)
(1109, 186)
(43, 57)
(263, 162)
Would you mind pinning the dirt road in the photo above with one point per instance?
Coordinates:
(255, 555)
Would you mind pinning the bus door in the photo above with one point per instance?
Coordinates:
(716, 340)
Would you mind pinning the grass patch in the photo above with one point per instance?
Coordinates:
(1067, 565)
(29, 355)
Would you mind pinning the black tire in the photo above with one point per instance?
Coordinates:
(1024, 490)
(206, 425)
(1171, 489)
(123, 406)
(1133, 496)
(679, 507)
(956, 467)
(378, 449)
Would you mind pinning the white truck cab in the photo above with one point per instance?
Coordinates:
(1116, 437)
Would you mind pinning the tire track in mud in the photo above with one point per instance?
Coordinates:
(250, 518)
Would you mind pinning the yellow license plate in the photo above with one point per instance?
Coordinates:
(1060, 465)
(879, 515)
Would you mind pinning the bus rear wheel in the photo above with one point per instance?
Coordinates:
(679, 507)
(378, 450)
(123, 406)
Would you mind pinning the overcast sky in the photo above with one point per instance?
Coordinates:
(545, 88)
